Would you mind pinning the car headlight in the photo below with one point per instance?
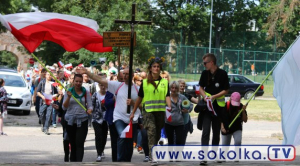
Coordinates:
(26, 96)
(190, 87)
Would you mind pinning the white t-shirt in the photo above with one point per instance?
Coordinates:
(120, 112)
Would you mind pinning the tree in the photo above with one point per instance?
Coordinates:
(13, 6)
(283, 21)
(104, 12)
(8, 59)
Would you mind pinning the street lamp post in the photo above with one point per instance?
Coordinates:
(210, 28)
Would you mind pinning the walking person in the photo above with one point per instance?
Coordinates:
(233, 106)
(214, 85)
(120, 117)
(175, 128)
(188, 124)
(155, 94)
(3, 105)
(35, 98)
(99, 100)
(77, 117)
(61, 114)
(46, 88)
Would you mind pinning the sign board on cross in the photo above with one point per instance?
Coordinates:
(117, 39)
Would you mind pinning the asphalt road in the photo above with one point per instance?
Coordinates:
(27, 145)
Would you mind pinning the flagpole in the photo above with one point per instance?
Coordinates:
(263, 82)
(57, 80)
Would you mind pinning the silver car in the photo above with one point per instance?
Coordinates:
(18, 92)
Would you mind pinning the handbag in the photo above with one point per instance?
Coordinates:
(201, 106)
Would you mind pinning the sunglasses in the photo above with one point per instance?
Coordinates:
(206, 62)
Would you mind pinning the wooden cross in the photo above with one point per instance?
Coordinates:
(132, 23)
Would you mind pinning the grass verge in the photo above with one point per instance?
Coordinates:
(260, 110)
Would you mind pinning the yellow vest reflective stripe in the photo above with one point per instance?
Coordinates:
(155, 102)
(155, 99)
(220, 100)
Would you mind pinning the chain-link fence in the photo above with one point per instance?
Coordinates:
(187, 60)
(248, 53)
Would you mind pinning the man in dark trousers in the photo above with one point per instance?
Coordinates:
(214, 86)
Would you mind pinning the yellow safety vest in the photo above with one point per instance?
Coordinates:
(220, 100)
(155, 99)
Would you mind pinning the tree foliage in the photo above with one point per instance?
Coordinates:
(283, 21)
(8, 59)
(13, 6)
(104, 12)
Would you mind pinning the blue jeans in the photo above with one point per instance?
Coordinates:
(53, 116)
(163, 133)
(125, 145)
(37, 105)
(45, 114)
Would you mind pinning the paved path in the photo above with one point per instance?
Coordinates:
(26, 144)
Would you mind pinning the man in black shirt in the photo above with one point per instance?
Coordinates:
(214, 85)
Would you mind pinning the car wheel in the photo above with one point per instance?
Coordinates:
(248, 94)
(26, 112)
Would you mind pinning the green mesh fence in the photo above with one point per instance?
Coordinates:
(186, 61)
(236, 53)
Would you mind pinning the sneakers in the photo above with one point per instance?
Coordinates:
(134, 144)
(203, 162)
(99, 159)
(102, 155)
(46, 132)
(154, 163)
(54, 125)
(42, 128)
(162, 141)
(2, 133)
(146, 159)
(140, 150)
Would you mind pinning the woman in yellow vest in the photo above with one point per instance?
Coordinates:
(154, 93)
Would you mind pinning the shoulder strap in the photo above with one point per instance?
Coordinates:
(85, 99)
(94, 101)
(119, 88)
(228, 105)
(136, 88)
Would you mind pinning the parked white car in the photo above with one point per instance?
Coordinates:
(18, 92)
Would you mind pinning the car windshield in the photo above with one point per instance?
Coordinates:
(13, 80)
(240, 79)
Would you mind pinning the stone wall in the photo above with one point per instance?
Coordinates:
(9, 43)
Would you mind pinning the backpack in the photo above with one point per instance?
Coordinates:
(228, 108)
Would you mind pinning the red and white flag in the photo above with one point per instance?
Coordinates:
(127, 132)
(210, 106)
(81, 65)
(60, 64)
(197, 89)
(67, 73)
(36, 70)
(168, 114)
(48, 98)
(55, 84)
(71, 32)
(68, 66)
(52, 69)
